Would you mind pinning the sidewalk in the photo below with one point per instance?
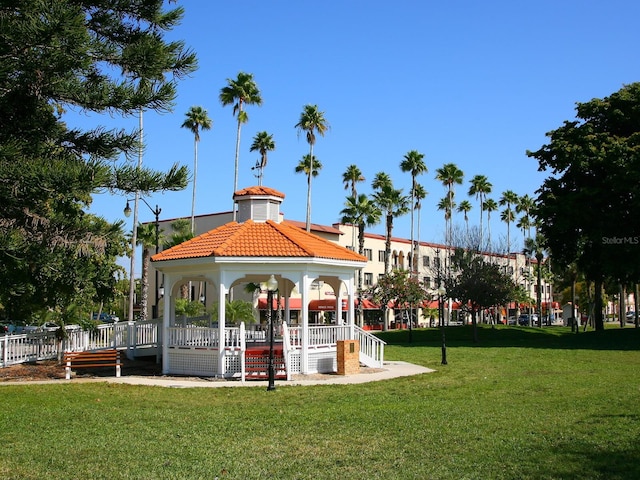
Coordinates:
(390, 370)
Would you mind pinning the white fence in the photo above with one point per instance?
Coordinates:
(31, 347)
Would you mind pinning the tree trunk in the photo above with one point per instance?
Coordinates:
(597, 314)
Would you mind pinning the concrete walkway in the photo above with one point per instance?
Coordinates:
(389, 370)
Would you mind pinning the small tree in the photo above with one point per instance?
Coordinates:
(477, 284)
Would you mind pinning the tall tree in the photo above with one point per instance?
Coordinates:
(525, 206)
(263, 143)
(147, 239)
(311, 167)
(362, 212)
(352, 176)
(239, 92)
(509, 199)
(489, 205)
(393, 204)
(450, 176)
(480, 188)
(48, 172)
(534, 247)
(413, 162)
(465, 207)
(196, 119)
(311, 121)
(419, 194)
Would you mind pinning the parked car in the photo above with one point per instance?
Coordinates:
(106, 317)
(4, 328)
(631, 317)
(524, 319)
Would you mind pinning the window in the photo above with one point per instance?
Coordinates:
(368, 279)
(381, 255)
(426, 261)
(427, 282)
(368, 253)
(380, 275)
(350, 247)
(436, 262)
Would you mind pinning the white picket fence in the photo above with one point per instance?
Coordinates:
(30, 347)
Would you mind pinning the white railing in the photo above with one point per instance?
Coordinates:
(205, 337)
(31, 347)
(328, 335)
(371, 348)
(286, 349)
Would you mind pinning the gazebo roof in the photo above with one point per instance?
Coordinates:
(258, 239)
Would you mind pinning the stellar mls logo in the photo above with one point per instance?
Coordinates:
(621, 240)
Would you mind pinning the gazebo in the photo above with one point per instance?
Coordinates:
(250, 250)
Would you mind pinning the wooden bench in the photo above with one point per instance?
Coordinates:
(92, 359)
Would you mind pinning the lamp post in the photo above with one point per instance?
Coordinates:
(156, 212)
(272, 286)
(441, 293)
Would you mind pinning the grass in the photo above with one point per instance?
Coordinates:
(524, 403)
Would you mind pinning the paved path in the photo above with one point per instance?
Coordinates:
(390, 370)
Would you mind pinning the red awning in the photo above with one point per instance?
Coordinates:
(325, 304)
(294, 304)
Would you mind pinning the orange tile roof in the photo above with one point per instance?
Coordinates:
(251, 239)
(258, 190)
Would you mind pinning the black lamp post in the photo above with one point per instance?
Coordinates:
(156, 212)
(272, 286)
(441, 293)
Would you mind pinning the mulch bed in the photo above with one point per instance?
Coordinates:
(51, 370)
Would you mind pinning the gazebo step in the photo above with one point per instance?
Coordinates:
(256, 361)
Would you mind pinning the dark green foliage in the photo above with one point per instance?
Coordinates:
(101, 56)
(588, 207)
(477, 283)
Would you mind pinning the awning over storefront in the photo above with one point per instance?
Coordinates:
(321, 305)
(294, 304)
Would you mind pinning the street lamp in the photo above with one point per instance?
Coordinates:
(272, 286)
(441, 293)
(156, 212)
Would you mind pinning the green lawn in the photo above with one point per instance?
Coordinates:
(524, 403)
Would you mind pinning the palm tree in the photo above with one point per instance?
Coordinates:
(393, 204)
(380, 180)
(465, 207)
(446, 204)
(480, 188)
(413, 163)
(525, 206)
(350, 177)
(535, 248)
(263, 143)
(362, 212)
(310, 169)
(489, 206)
(508, 198)
(419, 194)
(240, 92)
(450, 175)
(311, 121)
(181, 232)
(196, 120)
(147, 239)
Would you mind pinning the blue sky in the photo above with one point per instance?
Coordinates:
(472, 83)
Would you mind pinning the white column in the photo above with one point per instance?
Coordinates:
(166, 321)
(304, 360)
(222, 290)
